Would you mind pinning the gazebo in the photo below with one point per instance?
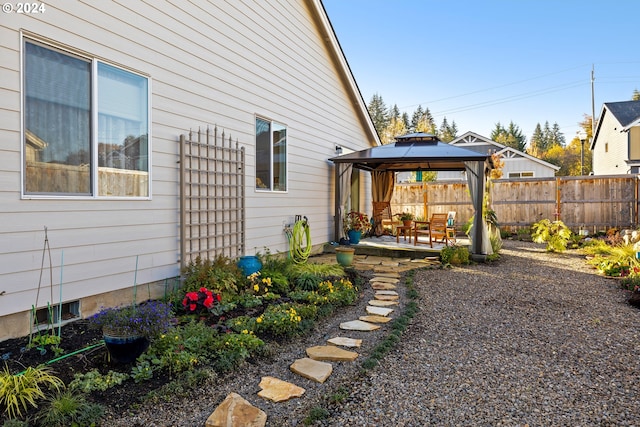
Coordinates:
(415, 152)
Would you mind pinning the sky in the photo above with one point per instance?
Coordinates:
(482, 62)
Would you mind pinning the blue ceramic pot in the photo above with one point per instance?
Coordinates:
(125, 349)
(354, 236)
(249, 264)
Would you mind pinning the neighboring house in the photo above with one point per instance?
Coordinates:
(616, 143)
(95, 98)
(516, 163)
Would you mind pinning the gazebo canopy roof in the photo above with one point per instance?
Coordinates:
(412, 152)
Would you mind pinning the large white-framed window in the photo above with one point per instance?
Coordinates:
(271, 155)
(86, 126)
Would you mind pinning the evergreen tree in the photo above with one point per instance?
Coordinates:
(405, 120)
(510, 137)
(537, 141)
(556, 137)
(395, 128)
(447, 132)
(394, 112)
(416, 118)
(636, 95)
(378, 112)
(426, 123)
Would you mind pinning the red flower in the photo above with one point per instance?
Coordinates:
(200, 300)
(208, 301)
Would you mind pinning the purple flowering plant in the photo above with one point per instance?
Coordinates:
(149, 319)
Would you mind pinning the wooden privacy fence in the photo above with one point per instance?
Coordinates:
(212, 198)
(593, 203)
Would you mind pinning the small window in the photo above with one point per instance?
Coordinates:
(57, 314)
(86, 126)
(606, 147)
(520, 174)
(271, 156)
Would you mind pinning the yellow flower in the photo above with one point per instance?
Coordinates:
(259, 319)
(267, 281)
(256, 287)
(244, 331)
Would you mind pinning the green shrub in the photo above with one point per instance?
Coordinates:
(454, 255)
(555, 234)
(232, 349)
(94, 380)
(308, 282)
(18, 392)
(281, 320)
(221, 275)
(181, 348)
(324, 271)
(68, 409)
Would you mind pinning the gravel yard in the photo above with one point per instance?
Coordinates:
(534, 339)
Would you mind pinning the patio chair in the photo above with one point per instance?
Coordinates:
(436, 228)
(382, 218)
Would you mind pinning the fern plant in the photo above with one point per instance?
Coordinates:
(555, 234)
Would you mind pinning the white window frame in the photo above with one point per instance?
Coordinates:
(523, 174)
(93, 60)
(271, 171)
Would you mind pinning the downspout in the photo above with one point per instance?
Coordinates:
(338, 198)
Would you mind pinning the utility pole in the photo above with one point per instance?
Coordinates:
(593, 105)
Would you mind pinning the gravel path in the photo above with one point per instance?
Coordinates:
(534, 339)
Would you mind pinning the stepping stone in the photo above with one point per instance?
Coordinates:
(345, 342)
(386, 297)
(313, 370)
(372, 260)
(358, 325)
(382, 270)
(383, 292)
(378, 303)
(378, 286)
(240, 411)
(384, 279)
(380, 311)
(390, 264)
(278, 390)
(375, 319)
(331, 353)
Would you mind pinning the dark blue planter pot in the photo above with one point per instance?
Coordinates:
(354, 236)
(125, 349)
(249, 264)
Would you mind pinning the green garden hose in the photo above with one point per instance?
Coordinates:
(300, 234)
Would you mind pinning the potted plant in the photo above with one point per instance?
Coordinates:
(127, 330)
(406, 218)
(356, 223)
